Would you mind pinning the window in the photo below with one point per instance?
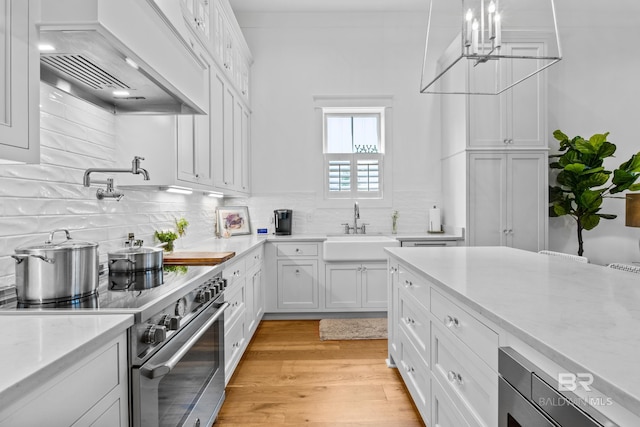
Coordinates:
(353, 151)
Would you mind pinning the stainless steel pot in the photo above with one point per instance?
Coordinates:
(55, 272)
(135, 259)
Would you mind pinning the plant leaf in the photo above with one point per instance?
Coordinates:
(585, 147)
(597, 140)
(634, 187)
(590, 221)
(576, 168)
(607, 216)
(559, 210)
(590, 200)
(606, 150)
(560, 136)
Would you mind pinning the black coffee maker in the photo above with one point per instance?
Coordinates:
(283, 221)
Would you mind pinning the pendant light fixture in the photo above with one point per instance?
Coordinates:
(485, 47)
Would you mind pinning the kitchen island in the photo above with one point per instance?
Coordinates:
(63, 368)
(566, 316)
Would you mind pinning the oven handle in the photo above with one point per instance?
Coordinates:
(155, 371)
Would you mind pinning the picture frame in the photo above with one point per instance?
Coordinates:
(234, 219)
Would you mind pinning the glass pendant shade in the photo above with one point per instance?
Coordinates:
(485, 47)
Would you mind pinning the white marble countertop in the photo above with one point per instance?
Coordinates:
(584, 317)
(36, 347)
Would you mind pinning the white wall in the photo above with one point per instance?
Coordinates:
(299, 56)
(595, 89)
(36, 199)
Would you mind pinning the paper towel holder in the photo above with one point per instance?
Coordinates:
(437, 227)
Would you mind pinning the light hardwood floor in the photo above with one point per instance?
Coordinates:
(288, 377)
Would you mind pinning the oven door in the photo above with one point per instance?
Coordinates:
(516, 411)
(183, 383)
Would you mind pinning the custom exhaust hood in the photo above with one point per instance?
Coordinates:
(122, 55)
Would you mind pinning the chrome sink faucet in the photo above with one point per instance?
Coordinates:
(355, 227)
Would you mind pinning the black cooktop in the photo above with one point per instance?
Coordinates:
(127, 292)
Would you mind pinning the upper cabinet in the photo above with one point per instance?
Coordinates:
(230, 138)
(209, 152)
(517, 117)
(19, 82)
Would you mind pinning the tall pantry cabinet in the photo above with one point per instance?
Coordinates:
(495, 158)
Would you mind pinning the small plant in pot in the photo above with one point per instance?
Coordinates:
(582, 181)
(166, 236)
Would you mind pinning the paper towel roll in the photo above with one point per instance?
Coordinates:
(435, 221)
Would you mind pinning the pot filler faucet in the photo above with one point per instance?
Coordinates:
(111, 192)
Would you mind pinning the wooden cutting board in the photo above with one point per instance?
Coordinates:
(197, 258)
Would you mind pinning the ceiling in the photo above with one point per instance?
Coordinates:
(329, 5)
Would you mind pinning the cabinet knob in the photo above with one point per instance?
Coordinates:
(408, 283)
(454, 377)
(451, 321)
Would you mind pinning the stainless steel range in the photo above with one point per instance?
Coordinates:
(176, 346)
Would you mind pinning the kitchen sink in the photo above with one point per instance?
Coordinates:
(357, 247)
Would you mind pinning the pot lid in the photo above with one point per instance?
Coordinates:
(61, 246)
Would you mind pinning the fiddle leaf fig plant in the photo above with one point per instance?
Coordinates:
(582, 181)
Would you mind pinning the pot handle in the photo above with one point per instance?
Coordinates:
(66, 232)
(20, 258)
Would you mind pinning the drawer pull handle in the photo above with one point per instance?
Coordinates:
(409, 321)
(450, 321)
(393, 270)
(454, 378)
(409, 369)
(408, 283)
(297, 250)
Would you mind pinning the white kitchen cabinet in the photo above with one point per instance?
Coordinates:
(517, 117)
(255, 289)
(505, 202)
(447, 355)
(177, 149)
(298, 284)
(230, 121)
(356, 286)
(393, 293)
(235, 341)
(245, 295)
(198, 14)
(19, 82)
(94, 391)
(230, 48)
(507, 196)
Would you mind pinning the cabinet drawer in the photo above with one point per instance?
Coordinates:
(254, 258)
(415, 374)
(236, 298)
(234, 271)
(297, 249)
(475, 334)
(468, 381)
(414, 285)
(415, 323)
(444, 413)
(234, 341)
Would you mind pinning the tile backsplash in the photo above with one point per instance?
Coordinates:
(36, 199)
